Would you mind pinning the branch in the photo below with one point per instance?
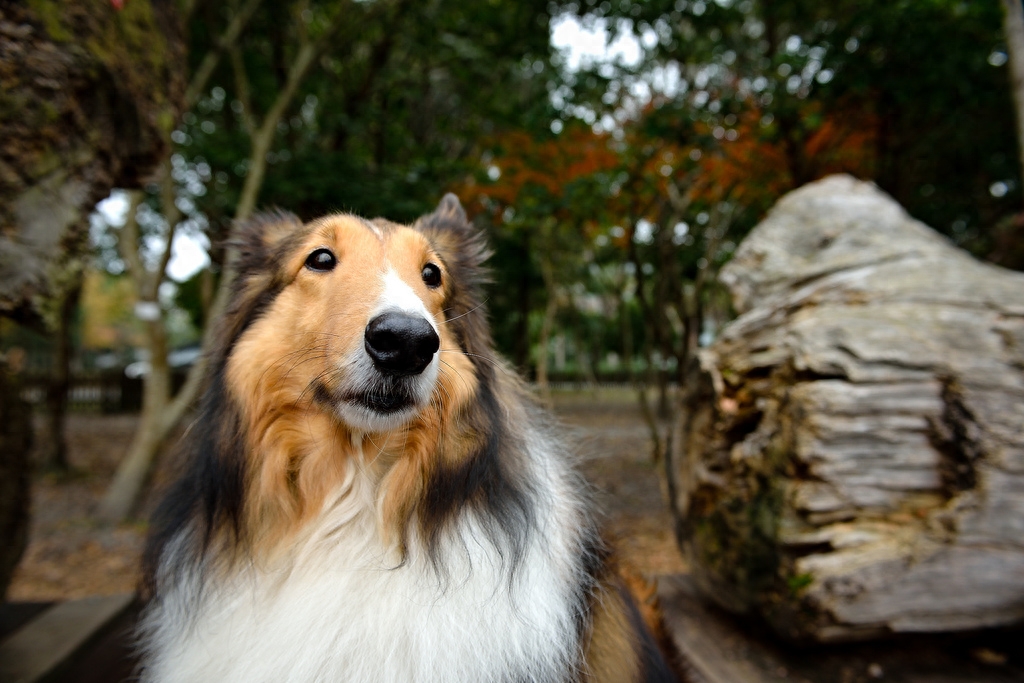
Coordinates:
(681, 202)
(307, 55)
(172, 214)
(242, 91)
(128, 243)
(227, 41)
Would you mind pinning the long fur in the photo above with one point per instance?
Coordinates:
(315, 536)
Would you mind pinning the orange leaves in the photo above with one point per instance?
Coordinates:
(750, 158)
(765, 158)
(845, 142)
(522, 163)
(747, 168)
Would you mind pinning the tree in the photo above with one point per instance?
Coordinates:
(541, 194)
(734, 103)
(1008, 248)
(311, 33)
(15, 444)
(1014, 28)
(87, 94)
(76, 121)
(938, 119)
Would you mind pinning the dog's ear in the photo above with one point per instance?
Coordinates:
(260, 245)
(451, 232)
(450, 207)
(258, 240)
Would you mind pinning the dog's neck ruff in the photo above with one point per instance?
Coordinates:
(342, 606)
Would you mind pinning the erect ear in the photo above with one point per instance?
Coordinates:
(260, 245)
(450, 231)
(451, 207)
(258, 240)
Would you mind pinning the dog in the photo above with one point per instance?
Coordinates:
(369, 494)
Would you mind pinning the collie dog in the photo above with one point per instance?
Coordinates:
(368, 494)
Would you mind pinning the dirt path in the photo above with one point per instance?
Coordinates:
(69, 556)
(615, 457)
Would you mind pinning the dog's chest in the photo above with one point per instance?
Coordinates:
(343, 611)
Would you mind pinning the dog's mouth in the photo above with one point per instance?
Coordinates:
(386, 398)
(385, 402)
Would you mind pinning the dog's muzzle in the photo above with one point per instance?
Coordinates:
(400, 344)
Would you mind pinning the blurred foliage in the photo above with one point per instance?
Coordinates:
(921, 83)
(389, 119)
(110, 323)
(612, 193)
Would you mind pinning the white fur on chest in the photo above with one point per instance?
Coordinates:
(340, 610)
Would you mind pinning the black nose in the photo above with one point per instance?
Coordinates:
(401, 344)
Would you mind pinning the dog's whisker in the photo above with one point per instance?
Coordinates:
(462, 315)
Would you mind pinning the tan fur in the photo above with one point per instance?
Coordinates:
(611, 652)
(300, 451)
(645, 595)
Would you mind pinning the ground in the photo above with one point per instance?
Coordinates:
(70, 556)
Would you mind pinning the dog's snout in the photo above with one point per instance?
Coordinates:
(401, 344)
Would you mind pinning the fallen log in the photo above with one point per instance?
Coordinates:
(848, 460)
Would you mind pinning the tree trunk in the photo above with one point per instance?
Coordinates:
(15, 444)
(522, 334)
(55, 454)
(155, 423)
(1014, 27)
(87, 120)
(545, 329)
(849, 459)
(161, 413)
(95, 91)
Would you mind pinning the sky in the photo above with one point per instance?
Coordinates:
(188, 253)
(581, 44)
(588, 44)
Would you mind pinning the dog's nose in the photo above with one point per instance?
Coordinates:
(401, 344)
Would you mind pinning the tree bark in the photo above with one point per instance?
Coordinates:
(87, 98)
(154, 424)
(75, 121)
(548, 323)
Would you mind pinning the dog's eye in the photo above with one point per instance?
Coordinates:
(431, 275)
(321, 260)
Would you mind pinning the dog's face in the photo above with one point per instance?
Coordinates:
(357, 328)
(343, 335)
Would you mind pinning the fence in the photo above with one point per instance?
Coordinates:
(104, 392)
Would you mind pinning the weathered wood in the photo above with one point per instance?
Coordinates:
(849, 460)
(723, 648)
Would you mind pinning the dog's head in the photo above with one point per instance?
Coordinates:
(368, 321)
(339, 332)
(345, 339)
